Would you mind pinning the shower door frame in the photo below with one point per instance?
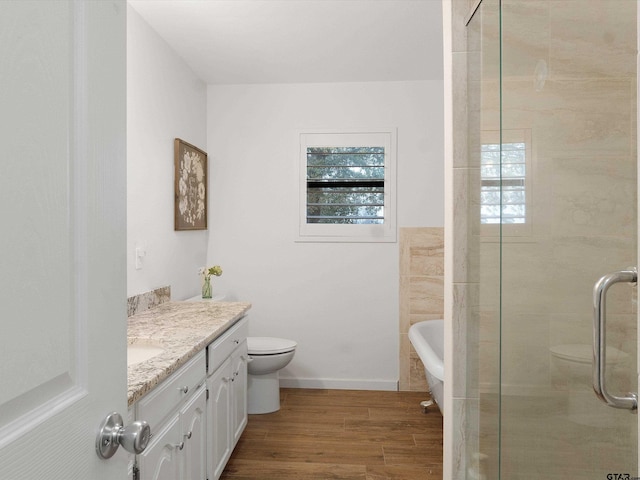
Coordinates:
(638, 204)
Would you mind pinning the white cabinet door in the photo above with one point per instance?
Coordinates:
(162, 457)
(219, 419)
(239, 391)
(194, 433)
(62, 246)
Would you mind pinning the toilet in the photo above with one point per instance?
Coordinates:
(267, 356)
(573, 365)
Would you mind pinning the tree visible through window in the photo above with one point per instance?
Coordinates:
(345, 185)
(503, 190)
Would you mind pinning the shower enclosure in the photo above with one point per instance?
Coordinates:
(547, 177)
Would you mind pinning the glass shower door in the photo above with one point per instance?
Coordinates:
(567, 216)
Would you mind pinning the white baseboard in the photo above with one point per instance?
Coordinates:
(339, 384)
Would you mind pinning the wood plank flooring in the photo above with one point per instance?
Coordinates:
(341, 434)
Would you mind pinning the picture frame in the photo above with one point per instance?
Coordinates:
(191, 192)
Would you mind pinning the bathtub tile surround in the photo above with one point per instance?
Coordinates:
(421, 294)
(147, 300)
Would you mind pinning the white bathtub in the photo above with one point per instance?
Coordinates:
(428, 340)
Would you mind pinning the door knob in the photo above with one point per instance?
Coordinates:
(134, 438)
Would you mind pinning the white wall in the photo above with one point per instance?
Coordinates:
(338, 301)
(165, 99)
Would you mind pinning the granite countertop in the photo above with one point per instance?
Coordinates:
(182, 329)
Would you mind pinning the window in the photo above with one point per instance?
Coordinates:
(347, 186)
(508, 206)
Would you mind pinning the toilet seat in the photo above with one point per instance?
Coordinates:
(584, 353)
(269, 345)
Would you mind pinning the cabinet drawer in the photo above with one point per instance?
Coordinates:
(220, 349)
(169, 394)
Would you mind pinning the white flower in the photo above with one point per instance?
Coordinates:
(199, 169)
(200, 211)
(186, 162)
(183, 205)
(207, 272)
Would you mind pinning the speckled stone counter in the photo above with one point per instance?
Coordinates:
(182, 329)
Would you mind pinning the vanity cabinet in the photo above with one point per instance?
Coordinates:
(219, 415)
(194, 432)
(197, 414)
(160, 459)
(239, 418)
(176, 412)
(227, 385)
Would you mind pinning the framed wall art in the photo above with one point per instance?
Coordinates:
(190, 187)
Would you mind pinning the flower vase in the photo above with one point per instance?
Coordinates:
(206, 287)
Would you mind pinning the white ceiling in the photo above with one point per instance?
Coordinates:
(298, 41)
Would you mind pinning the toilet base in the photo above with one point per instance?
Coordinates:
(263, 393)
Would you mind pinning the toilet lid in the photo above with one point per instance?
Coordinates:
(584, 353)
(269, 345)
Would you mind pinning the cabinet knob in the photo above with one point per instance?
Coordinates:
(184, 389)
(188, 435)
(180, 446)
(133, 438)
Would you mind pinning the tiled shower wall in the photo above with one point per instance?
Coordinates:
(580, 123)
(461, 428)
(421, 294)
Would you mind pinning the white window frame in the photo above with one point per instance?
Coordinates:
(513, 229)
(316, 232)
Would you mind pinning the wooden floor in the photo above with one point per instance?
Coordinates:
(341, 434)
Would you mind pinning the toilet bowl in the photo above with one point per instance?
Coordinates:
(267, 356)
(573, 366)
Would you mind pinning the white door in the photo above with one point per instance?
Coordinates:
(63, 236)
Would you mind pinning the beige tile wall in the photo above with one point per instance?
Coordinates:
(582, 124)
(421, 294)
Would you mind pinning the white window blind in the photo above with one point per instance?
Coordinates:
(347, 186)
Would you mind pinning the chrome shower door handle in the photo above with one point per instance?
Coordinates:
(630, 401)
